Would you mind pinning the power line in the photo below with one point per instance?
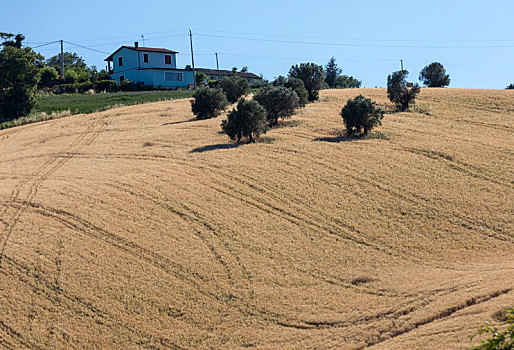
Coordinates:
(85, 47)
(358, 39)
(53, 42)
(357, 45)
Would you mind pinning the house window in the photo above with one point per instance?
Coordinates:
(122, 78)
(145, 58)
(173, 76)
(120, 61)
(167, 59)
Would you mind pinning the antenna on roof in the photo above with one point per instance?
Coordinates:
(143, 37)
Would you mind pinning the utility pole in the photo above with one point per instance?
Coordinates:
(62, 60)
(143, 37)
(217, 67)
(402, 64)
(192, 58)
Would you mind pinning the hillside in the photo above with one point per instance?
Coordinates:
(139, 227)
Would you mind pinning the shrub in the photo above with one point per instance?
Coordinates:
(129, 85)
(361, 113)
(48, 74)
(259, 83)
(248, 120)
(19, 75)
(398, 92)
(278, 101)
(510, 87)
(65, 89)
(106, 85)
(208, 103)
(498, 339)
(84, 87)
(434, 75)
(200, 79)
(312, 76)
(234, 87)
(347, 82)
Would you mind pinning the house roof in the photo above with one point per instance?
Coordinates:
(139, 48)
(209, 71)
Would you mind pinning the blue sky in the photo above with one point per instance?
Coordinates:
(473, 39)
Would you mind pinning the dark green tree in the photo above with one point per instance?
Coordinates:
(235, 87)
(48, 74)
(278, 101)
(71, 60)
(248, 120)
(434, 75)
(361, 113)
(347, 82)
(7, 37)
(280, 81)
(96, 75)
(510, 87)
(208, 103)
(312, 76)
(332, 72)
(19, 75)
(398, 92)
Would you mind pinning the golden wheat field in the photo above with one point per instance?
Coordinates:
(142, 228)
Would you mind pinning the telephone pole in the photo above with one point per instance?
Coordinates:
(217, 67)
(192, 57)
(402, 64)
(62, 60)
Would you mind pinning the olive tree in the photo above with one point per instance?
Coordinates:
(247, 120)
(361, 113)
(208, 103)
(296, 85)
(278, 101)
(235, 87)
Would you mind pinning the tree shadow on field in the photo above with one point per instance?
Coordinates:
(340, 138)
(215, 147)
(181, 121)
(374, 135)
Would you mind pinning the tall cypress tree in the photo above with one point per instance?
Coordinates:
(332, 72)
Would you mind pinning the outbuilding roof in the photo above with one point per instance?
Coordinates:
(139, 48)
(222, 72)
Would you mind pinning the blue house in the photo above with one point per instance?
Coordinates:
(149, 66)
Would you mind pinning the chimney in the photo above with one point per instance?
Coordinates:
(136, 44)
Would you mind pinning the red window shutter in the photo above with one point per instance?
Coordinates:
(167, 59)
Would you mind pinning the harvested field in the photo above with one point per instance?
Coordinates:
(141, 228)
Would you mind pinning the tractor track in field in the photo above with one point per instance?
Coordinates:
(74, 303)
(41, 174)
